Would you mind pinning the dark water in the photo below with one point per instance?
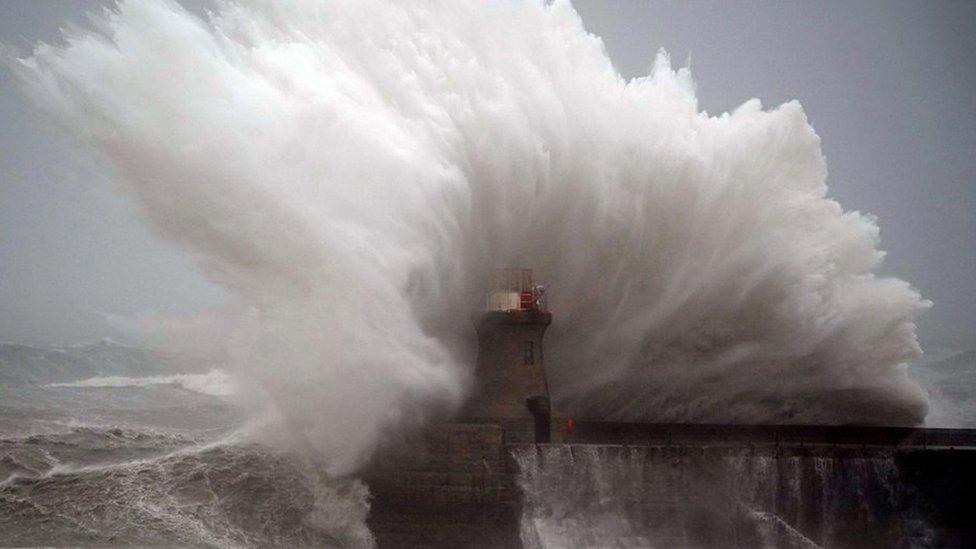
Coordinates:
(148, 451)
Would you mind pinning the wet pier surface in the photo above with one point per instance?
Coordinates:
(602, 432)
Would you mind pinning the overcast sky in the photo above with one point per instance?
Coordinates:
(889, 86)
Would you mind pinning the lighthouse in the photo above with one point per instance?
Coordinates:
(459, 489)
(510, 380)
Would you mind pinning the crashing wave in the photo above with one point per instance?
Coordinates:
(350, 172)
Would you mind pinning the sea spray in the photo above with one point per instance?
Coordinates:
(350, 172)
(676, 496)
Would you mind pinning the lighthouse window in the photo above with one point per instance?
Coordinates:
(528, 353)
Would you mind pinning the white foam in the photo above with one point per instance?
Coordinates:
(215, 382)
(351, 172)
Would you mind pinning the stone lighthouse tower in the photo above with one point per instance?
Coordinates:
(459, 491)
(511, 387)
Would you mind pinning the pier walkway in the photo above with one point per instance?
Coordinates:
(698, 434)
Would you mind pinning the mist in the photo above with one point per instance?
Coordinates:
(350, 173)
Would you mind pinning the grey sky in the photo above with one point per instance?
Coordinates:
(889, 86)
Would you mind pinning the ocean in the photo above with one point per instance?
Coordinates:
(113, 446)
(104, 445)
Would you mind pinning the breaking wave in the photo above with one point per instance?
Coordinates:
(351, 172)
(215, 382)
(216, 495)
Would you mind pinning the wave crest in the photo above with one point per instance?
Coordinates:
(215, 382)
(352, 171)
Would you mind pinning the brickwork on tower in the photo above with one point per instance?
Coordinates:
(457, 490)
(509, 369)
(455, 487)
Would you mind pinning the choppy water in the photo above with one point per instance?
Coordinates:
(95, 452)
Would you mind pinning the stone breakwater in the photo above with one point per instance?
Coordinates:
(482, 485)
(455, 487)
(680, 496)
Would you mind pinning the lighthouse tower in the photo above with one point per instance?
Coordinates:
(510, 380)
(460, 490)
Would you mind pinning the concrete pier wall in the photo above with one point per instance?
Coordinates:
(729, 496)
(454, 488)
(486, 485)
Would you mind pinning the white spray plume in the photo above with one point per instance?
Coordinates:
(351, 171)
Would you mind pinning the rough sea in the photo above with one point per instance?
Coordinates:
(104, 445)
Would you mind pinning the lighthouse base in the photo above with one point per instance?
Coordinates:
(455, 489)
